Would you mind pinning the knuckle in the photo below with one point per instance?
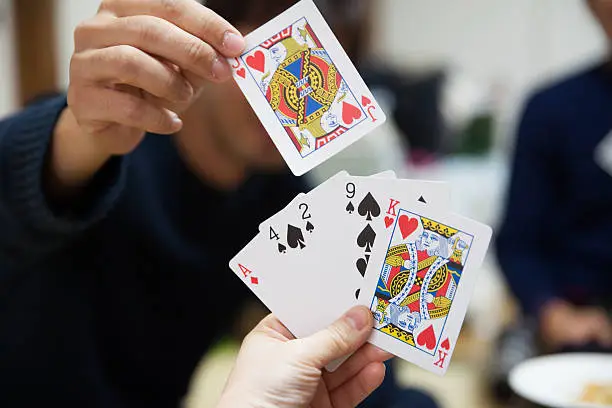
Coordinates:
(76, 62)
(170, 8)
(146, 31)
(198, 53)
(83, 32)
(205, 22)
(127, 64)
(176, 88)
(133, 111)
(72, 97)
(81, 29)
(107, 5)
(338, 341)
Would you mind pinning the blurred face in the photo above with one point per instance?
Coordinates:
(236, 129)
(602, 9)
(227, 114)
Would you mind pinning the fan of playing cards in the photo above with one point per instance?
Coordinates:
(386, 243)
(378, 241)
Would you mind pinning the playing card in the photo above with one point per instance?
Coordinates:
(323, 240)
(389, 174)
(280, 262)
(304, 89)
(419, 290)
(367, 209)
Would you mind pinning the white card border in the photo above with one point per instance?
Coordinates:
(300, 165)
(482, 236)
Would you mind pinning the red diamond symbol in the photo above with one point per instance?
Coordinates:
(254, 280)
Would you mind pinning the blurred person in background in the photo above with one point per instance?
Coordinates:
(114, 237)
(554, 246)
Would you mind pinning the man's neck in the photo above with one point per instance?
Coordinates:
(205, 157)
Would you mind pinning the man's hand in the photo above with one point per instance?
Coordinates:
(137, 64)
(275, 370)
(565, 325)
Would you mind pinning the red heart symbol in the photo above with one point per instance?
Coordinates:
(388, 221)
(427, 338)
(350, 113)
(257, 61)
(241, 72)
(365, 101)
(445, 344)
(407, 225)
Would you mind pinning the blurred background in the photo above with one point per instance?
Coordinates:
(456, 73)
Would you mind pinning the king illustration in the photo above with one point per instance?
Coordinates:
(419, 280)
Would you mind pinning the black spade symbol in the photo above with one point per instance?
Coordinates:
(366, 238)
(369, 207)
(295, 237)
(350, 208)
(309, 227)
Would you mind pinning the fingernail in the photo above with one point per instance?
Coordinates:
(358, 317)
(233, 43)
(220, 69)
(176, 120)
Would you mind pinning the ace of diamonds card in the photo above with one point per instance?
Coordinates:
(304, 88)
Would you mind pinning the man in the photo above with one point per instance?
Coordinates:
(114, 244)
(554, 244)
(115, 236)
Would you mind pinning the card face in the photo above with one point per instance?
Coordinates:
(389, 174)
(321, 237)
(265, 225)
(420, 290)
(304, 88)
(282, 260)
(367, 208)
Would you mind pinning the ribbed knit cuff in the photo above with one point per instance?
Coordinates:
(23, 149)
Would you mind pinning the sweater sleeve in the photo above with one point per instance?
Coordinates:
(31, 226)
(524, 250)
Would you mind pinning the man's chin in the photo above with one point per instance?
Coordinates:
(275, 167)
(269, 164)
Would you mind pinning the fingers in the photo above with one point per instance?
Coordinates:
(599, 326)
(353, 392)
(103, 105)
(340, 339)
(188, 15)
(130, 66)
(365, 355)
(271, 326)
(604, 337)
(157, 37)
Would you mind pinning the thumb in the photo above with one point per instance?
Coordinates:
(340, 339)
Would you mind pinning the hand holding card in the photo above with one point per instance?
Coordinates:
(304, 88)
(385, 243)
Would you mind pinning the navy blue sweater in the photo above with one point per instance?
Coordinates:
(112, 301)
(556, 240)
